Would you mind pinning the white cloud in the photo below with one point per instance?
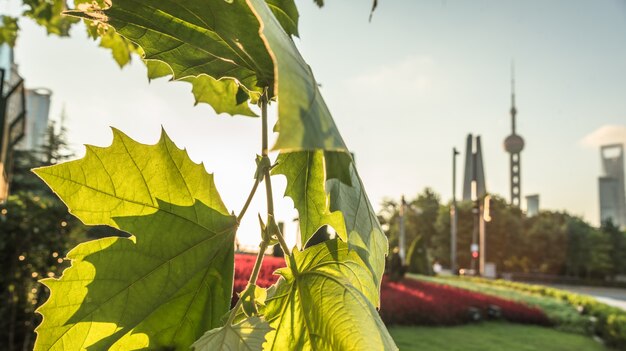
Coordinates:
(606, 134)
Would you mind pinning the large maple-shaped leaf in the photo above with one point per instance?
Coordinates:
(286, 13)
(304, 121)
(216, 37)
(224, 96)
(365, 234)
(166, 284)
(247, 335)
(306, 186)
(323, 302)
(241, 40)
(327, 190)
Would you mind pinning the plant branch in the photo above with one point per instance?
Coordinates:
(268, 180)
(248, 201)
(257, 264)
(251, 280)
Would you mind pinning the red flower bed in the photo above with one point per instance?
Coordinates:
(243, 268)
(411, 302)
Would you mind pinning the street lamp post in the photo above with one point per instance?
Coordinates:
(402, 236)
(454, 216)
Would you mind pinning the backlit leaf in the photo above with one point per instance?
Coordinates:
(8, 30)
(222, 40)
(306, 187)
(121, 49)
(166, 284)
(216, 37)
(286, 13)
(247, 335)
(321, 303)
(220, 94)
(304, 121)
(327, 190)
(365, 235)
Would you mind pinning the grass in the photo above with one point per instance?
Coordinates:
(490, 337)
(562, 313)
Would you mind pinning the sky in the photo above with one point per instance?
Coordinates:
(404, 89)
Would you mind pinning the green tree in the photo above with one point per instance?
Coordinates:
(503, 233)
(617, 239)
(545, 241)
(37, 232)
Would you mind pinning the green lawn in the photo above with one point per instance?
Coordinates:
(490, 337)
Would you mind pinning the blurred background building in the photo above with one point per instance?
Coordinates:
(38, 107)
(532, 205)
(12, 115)
(611, 185)
(17, 130)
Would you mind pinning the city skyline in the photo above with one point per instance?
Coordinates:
(401, 104)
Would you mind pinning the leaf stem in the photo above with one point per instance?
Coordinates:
(268, 180)
(257, 264)
(251, 280)
(248, 201)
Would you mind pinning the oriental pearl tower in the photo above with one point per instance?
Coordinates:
(514, 144)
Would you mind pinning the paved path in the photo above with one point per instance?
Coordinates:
(611, 296)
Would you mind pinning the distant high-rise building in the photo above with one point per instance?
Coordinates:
(514, 144)
(474, 176)
(475, 189)
(611, 185)
(12, 115)
(532, 205)
(38, 111)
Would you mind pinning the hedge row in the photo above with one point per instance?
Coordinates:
(609, 322)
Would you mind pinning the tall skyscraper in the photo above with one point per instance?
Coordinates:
(514, 144)
(611, 185)
(38, 110)
(12, 115)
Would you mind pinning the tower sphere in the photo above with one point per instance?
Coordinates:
(513, 144)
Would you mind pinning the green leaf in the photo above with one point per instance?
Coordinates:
(221, 40)
(286, 13)
(166, 284)
(338, 166)
(121, 49)
(246, 335)
(198, 44)
(326, 190)
(365, 234)
(220, 94)
(215, 37)
(8, 30)
(306, 186)
(48, 15)
(324, 303)
(157, 69)
(304, 121)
